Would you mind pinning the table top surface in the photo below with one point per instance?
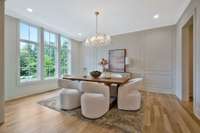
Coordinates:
(112, 80)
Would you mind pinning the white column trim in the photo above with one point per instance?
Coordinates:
(2, 9)
(196, 92)
(42, 54)
(58, 56)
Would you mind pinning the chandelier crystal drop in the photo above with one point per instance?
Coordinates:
(99, 39)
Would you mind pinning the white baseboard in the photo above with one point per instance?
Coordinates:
(31, 88)
(29, 94)
(197, 113)
(159, 90)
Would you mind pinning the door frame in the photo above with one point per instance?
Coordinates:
(185, 30)
(196, 61)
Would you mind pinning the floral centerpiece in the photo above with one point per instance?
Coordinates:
(103, 63)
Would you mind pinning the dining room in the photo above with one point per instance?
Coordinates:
(73, 66)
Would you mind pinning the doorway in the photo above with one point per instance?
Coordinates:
(187, 63)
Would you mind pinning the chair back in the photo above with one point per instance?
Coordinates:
(135, 84)
(63, 83)
(116, 75)
(121, 75)
(136, 80)
(93, 87)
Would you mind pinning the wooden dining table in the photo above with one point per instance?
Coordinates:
(107, 81)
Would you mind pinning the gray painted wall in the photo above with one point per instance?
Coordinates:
(152, 54)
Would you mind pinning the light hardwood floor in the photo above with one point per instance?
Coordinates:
(162, 114)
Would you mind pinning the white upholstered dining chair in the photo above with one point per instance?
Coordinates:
(95, 99)
(113, 90)
(70, 94)
(114, 87)
(129, 97)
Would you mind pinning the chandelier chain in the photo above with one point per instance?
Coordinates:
(96, 13)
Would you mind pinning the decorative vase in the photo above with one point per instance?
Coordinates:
(107, 74)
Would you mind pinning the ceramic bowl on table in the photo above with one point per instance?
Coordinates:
(95, 74)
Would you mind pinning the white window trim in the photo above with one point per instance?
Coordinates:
(19, 81)
(41, 68)
(58, 60)
(70, 58)
(18, 54)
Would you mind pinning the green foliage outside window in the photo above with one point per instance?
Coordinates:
(28, 61)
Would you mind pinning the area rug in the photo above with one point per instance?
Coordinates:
(123, 121)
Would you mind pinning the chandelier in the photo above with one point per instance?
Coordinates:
(99, 39)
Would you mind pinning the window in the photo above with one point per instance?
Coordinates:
(50, 55)
(29, 50)
(65, 56)
(38, 47)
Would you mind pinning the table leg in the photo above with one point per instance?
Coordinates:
(113, 99)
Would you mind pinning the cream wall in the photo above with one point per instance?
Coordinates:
(13, 89)
(75, 58)
(1, 61)
(152, 54)
(192, 10)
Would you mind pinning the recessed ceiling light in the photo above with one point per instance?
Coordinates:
(80, 34)
(29, 9)
(156, 16)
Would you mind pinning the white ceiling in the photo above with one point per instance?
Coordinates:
(77, 16)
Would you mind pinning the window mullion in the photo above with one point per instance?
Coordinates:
(49, 52)
(69, 59)
(29, 33)
(42, 53)
(28, 41)
(58, 56)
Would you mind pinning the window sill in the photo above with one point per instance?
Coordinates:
(53, 78)
(36, 82)
(28, 82)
